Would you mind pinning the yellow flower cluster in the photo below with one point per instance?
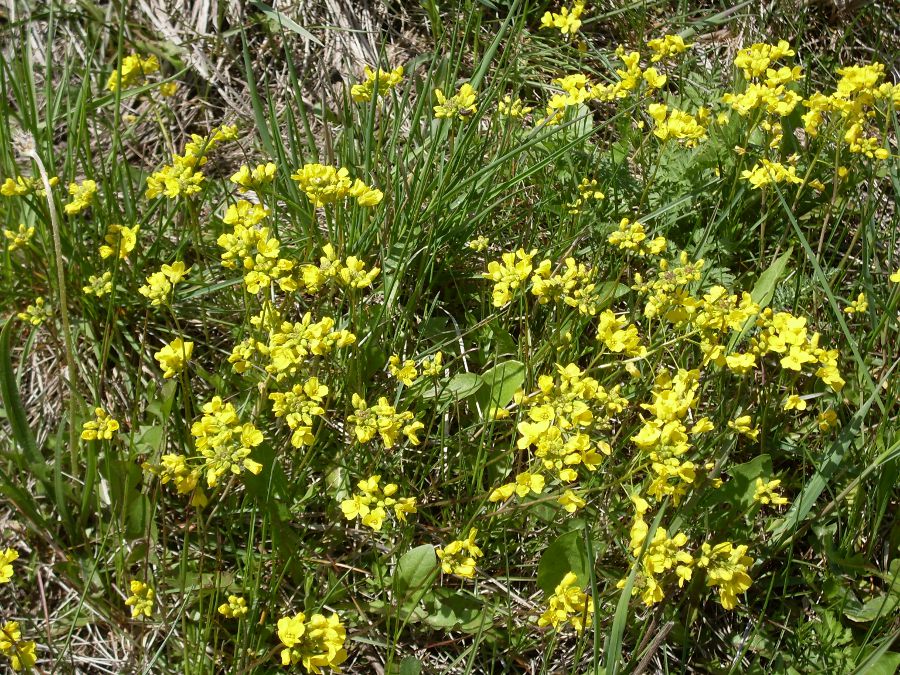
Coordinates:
(225, 443)
(370, 504)
(235, 608)
(382, 419)
(141, 599)
(513, 108)
(255, 248)
(765, 172)
(287, 346)
(509, 274)
(82, 194)
(161, 284)
(18, 238)
(561, 415)
(377, 81)
(666, 47)
(619, 336)
(324, 184)
(664, 439)
(20, 186)
(678, 124)
(766, 492)
(857, 306)
(131, 71)
(568, 604)
(461, 105)
(726, 568)
(120, 241)
(298, 407)
(37, 313)
(183, 176)
(101, 428)
(174, 356)
(174, 468)
(631, 236)
(567, 20)
(853, 104)
(459, 556)
(574, 285)
(7, 558)
(98, 286)
(253, 179)
(587, 190)
(315, 644)
(21, 653)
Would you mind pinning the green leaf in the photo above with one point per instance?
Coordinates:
(450, 609)
(742, 486)
(500, 383)
(15, 411)
(764, 289)
(458, 387)
(567, 554)
(410, 665)
(414, 571)
(871, 609)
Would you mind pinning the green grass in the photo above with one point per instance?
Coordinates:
(86, 519)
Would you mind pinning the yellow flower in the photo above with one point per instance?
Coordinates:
(82, 196)
(568, 604)
(859, 305)
(174, 356)
(317, 643)
(669, 45)
(102, 427)
(224, 442)
(570, 501)
(461, 105)
(141, 599)
(18, 238)
(458, 557)
(37, 313)
(372, 502)
(478, 244)
(828, 420)
(568, 20)
(377, 81)
(168, 89)
(253, 179)
(744, 425)
(99, 286)
(6, 560)
(160, 284)
(726, 568)
(235, 608)
(512, 108)
(767, 492)
(120, 240)
(21, 654)
(131, 71)
(895, 277)
(794, 402)
(405, 372)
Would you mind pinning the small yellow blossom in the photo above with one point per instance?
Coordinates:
(37, 313)
(174, 356)
(744, 425)
(20, 653)
(235, 608)
(82, 196)
(461, 105)
(18, 238)
(6, 560)
(131, 71)
(120, 240)
(141, 599)
(102, 427)
(459, 556)
(767, 492)
(377, 81)
(99, 286)
(857, 306)
(478, 244)
(567, 20)
(794, 402)
(317, 643)
(828, 420)
(568, 604)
